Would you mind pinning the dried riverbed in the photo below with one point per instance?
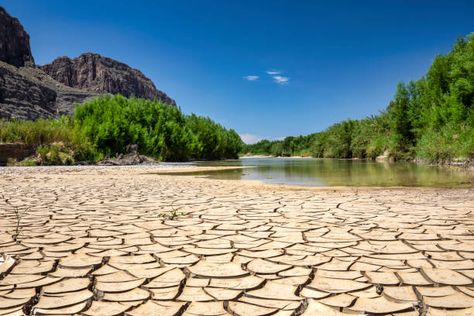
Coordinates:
(126, 240)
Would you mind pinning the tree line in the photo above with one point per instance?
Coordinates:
(431, 118)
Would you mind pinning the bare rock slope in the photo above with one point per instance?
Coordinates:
(28, 93)
(14, 42)
(99, 74)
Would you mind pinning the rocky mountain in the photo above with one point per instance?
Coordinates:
(31, 92)
(14, 42)
(99, 74)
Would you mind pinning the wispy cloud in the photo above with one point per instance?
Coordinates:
(275, 75)
(249, 138)
(282, 80)
(251, 78)
(273, 72)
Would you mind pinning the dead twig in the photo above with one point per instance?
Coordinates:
(18, 214)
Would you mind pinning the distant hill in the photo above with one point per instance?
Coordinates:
(28, 91)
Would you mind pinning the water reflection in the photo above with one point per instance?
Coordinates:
(331, 172)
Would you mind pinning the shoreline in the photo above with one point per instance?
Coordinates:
(462, 164)
(134, 159)
(185, 170)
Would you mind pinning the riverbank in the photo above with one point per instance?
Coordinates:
(112, 240)
(269, 156)
(467, 164)
(463, 164)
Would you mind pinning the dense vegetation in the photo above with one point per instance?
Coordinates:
(431, 118)
(104, 127)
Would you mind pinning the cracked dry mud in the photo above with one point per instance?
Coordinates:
(92, 242)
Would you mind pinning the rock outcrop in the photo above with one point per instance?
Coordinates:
(21, 97)
(30, 92)
(14, 42)
(99, 74)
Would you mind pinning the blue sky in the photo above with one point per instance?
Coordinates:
(311, 63)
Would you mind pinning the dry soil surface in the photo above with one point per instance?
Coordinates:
(126, 241)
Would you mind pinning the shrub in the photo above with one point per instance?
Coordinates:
(108, 124)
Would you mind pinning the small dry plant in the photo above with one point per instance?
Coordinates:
(18, 214)
(174, 214)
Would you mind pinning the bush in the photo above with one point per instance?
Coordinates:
(54, 154)
(448, 143)
(110, 123)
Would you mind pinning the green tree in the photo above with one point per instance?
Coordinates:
(401, 127)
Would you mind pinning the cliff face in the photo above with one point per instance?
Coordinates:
(95, 73)
(21, 97)
(14, 42)
(30, 92)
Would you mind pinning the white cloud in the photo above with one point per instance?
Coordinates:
(281, 79)
(273, 72)
(249, 138)
(251, 78)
